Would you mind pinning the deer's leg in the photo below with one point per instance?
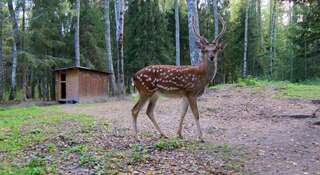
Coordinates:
(194, 109)
(185, 105)
(150, 113)
(135, 111)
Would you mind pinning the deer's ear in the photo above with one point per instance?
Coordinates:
(199, 44)
(222, 46)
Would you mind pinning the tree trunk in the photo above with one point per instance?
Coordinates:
(116, 17)
(305, 60)
(245, 50)
(176, 12)
(1, 56)
(289, 43)
(119, 37)
(215, 15)
(260, 24)
(76, 35)
(194, 51)
(25, 64)
(272, 35)
(112, 79)
(14, 50)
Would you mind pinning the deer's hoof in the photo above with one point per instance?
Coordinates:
(180, 136)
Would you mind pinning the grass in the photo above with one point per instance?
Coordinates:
(138, 153)
(37, 165)
(309, 89)
(20, 127)
(23, 127)
(299, 90)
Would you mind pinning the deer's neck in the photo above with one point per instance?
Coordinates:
(208, 70)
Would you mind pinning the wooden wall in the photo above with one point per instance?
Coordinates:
(73, 84)
(57, 77)
(92, 84)
(82, 85)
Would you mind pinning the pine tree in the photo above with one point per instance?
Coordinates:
(147, 38)
(76, 36)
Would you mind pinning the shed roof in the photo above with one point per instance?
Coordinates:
(81, 68)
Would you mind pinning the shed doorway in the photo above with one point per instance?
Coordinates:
(63, 86)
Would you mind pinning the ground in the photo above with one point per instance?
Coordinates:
(247, 130)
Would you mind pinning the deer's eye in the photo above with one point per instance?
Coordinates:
(204, 50)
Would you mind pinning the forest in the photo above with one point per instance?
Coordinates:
(247, 70)
(267, 39)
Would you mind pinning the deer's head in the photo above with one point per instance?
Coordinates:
(211, 50)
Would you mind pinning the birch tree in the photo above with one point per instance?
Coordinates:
(289, 44)
(273, 5)
(76, 35)
(119, 10)
(245, 50)
(23, 45)
(193, 13)
(109, 61)
(14, 50)
(260, 25)
(1, 56)
(177, 21)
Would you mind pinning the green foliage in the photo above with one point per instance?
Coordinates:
(304, 36)
(248, 81)
(81, 149)
(88, 159)
(168, 144)
(147, 38)
(138, 154)
(51, 147)
(92, 36)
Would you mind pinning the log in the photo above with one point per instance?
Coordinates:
(317, 123)
(296, 116)
(316, 102)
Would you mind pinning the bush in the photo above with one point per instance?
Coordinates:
(248, 81)
(170, 144)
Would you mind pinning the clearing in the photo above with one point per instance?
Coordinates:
(248, 130)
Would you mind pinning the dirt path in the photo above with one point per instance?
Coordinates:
(241, 117)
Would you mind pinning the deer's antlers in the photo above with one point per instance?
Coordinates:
(214, 41)
(224, 28)
(201, 38)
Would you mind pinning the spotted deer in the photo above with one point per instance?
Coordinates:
(186, 82)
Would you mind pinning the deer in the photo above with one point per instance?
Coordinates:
(186, 82)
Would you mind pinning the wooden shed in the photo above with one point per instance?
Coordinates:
(79, 84)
